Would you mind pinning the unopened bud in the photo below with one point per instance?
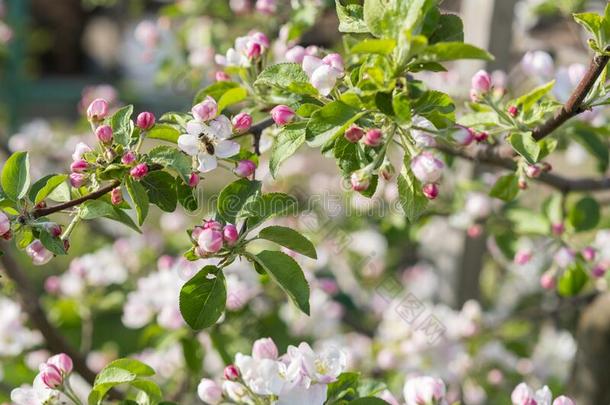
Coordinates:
(430, 191)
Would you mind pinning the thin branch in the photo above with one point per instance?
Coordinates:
(41, 212)
(574, 105)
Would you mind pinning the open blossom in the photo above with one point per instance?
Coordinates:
(244, 50)
(427, 168)
(208, 141)
(38, 253)
(523, 394)
(424, 391)
(63, 362)
(323, 73)
(209, 392)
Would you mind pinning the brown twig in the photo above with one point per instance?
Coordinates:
(41, 212)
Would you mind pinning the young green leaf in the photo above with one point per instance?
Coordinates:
(412, 199)
(93, 209)
(203, 298)
(53, 244)
(506, 188)
(585, 214)
(368, 46)
(330, 121)
(351, 18)
(232, 96)
(285, 144)
(572, 281)
(43, 187)
(526, 101)
(289, 238)
(164, 132)
(526, 146)
(160, 188)
(233, 197)
(215, 90)
(259, 208)
(122, 125)
(285, 271)
(448, 51)
(173, 159)
(15, 177)
(137, 192)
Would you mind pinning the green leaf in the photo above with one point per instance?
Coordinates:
(526, 146)
(233, 197)
(386, 18)
(285, 271)
(186, 196)
(289, 238)
(160, 188)
(93, 209)
(572, 281)
(43, 187)
(448, 51)
(402, 107)
(594, 23)
(134, 366)
(345, 387)
(330, 121)
(203, 298)
(149, 388)
(436, 106)
(585, 214)
(351, 18)
(506, 188)
(285, 144)
(381, 46)
(215, 90)
(286, 76)
(164, 132)
(15, 179)
(526, 101)
(122, 125)
(412, 199)
(174, 159)
(449, 28)
(137, 192)
(53, 244)
(109, 377)
(232, 96)
(193, 354)
(368, 401)
(259, 208)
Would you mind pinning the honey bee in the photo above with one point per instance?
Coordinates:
(207, 143)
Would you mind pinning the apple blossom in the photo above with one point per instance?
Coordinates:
(104, 133)
(427, 168)
(523, 257)
(564, 257)
(424, 391)
(533, 171)
(38, 253)
(513, 111)
(5, 223)
(558, 228)
(354, 133)
(241, 53)
(253, 49)
(209, 241)
(230, 234)
(97, 110)
(79, 166)
(282, 114)
(222, 76)
(245, 168)
(116, 196)
(51, 376)
(481, 137)
(430, 191)
(296, 54)
(266, 6)
(212, 224)
(598, 271)
(264, 348)
(538, 63)
(139, 171)
(589, 253)
(242, 122)
(205, 110)
(547, 280)
(360, 180)
(62, 362)
(323, 73)
(373, 138)
(79, 150)
(77, 179)
(194, 180)
(481, 82)
(231, 372)
(145, 120)
(128, 157)
(208, 141)
(463, 136)
(209, 392)
(387, 170)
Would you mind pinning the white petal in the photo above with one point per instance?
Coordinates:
(221, 127)
(310, 64)
(207, 163)
(225, 149)
(189, 144)
(195, 127)
(324, 79)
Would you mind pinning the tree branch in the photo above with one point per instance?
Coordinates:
(41, 212)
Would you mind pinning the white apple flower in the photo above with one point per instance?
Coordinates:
(323, 73)
(208, 141)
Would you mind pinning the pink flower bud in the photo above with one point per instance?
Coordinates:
(558, 229)
(424, 391)
(77, 179)
(104, 133)
(128, 158)
(98, 110)
(523, 257)
(474, 231)
(145, 120)
(266, 6)
(116, 196)
(296, 54)
(533, 171)
(354, 133)
(242, 122)
(547, 280)
(427, 168)
(51, 376)
(194, 180)
(335, 61)
(5, 223)
(209, 392)
(231, 372)
(361, 180)
(196, 232)
(245, 168)
(139, 171)
(589, 253)
(79, 166)
(52, 285)
(481, 82)
(373, 138)
(253, 50)
(430, 191)
(599, 271)
(523, 395)
(513, 111)
(38, 253)
(206, 110)
(54, 229)
(282, 114)
(210, 240)
(387, 170)
(222, 76)
(481, 137)
(62, 362)
(264, 348)
(464, 136)
(230, 234)
(563, 400)
(211, 224)
(260, 39)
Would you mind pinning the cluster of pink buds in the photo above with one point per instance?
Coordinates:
(282, 114)
(55, 371)
(428, 169)
(5, 226)
(245, 168)
(241, 123)
(79, 165)
(371, 138)
(212, 236)
(297, 53)
(481, 84)
(590, 255)
(139, 171)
